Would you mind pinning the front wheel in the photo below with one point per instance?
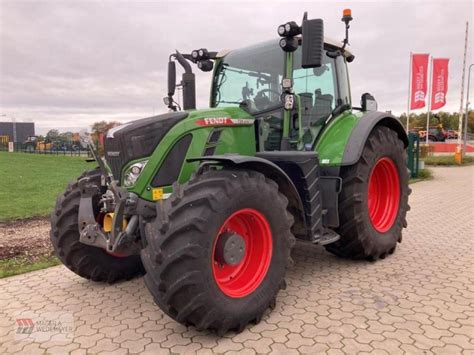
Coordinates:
(374, 199)
(86, 261)
(218, 249)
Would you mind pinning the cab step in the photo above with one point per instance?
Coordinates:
(328, 237)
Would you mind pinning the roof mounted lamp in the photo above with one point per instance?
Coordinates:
(346, 18)
(288, 31)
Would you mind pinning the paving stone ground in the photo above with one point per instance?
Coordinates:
(417, 301)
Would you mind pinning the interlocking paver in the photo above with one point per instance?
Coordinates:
(136, 346)
(104, 345)
(418, 301)
(261, 346)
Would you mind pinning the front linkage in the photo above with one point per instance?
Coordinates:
(115, 204)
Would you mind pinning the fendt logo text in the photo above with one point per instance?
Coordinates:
(224, 121)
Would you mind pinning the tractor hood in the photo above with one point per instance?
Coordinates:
(137, 139)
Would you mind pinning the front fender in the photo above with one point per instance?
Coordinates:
(271, 171)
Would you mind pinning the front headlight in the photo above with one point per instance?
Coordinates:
(133, 173)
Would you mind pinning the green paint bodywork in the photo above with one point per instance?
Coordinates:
(332, 142)
(233, 139)
(288, 75)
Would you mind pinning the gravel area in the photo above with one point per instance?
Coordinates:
(25, 238)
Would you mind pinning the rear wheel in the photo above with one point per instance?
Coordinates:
(374, 199)
(218, 249)
(85, 260)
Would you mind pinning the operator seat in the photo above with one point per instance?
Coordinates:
(322, 108)
(306, 108)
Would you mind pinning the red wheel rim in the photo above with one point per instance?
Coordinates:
(242, 279)
(384, 194)
(116, 255)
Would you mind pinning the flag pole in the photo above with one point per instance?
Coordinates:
(459, 150)
(409, 91)
(430, 85)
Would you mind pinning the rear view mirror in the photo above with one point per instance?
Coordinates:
(368, 103)
(313, 43)
(171, 77)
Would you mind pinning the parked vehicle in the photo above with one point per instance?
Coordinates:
(436, 134)
(34, 143)
(452, 134)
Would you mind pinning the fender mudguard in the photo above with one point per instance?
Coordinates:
(362, 130)
(271, 171)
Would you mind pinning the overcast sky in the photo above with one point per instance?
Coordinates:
(66, 64)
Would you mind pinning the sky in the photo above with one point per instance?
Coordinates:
(67, 64)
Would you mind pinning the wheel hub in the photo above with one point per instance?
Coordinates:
(230, 248)
(383, 194)
(242, 253)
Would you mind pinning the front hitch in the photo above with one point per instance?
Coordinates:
(92, 233)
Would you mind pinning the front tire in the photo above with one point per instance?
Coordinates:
(189, 274)
(86, 261)
(374, 199)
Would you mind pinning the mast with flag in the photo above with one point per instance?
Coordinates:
(459, 151)
(439, 88)
(417, 84)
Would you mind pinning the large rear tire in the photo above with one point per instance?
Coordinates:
(85, 260)
(374, 199)
(189, 258)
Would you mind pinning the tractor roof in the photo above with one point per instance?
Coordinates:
(328, 41)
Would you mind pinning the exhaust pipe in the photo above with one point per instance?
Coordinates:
(188, 82)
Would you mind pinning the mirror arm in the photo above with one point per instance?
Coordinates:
(184, 63)
(339, 109)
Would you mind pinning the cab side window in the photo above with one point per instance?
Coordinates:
(317, 90)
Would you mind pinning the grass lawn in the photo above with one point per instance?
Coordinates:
(447, 160)
(20, 265)
(425, 174)
(30, 183)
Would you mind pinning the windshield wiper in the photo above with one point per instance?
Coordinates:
(222, 77)
(230, 102)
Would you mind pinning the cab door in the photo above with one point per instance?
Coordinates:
(319, 93)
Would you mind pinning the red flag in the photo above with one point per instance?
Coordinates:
(439, 83)
(419, 82)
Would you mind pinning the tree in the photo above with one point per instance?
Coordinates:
(470, 122)
(102, 127)
(449, 120)
(52, 135)
(99, 129)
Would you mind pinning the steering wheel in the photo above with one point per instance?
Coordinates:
(262, 101)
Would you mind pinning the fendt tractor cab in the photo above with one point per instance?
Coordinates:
(208, 203)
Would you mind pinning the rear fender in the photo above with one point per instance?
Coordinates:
(362, 130)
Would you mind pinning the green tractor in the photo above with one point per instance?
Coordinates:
(209, 203)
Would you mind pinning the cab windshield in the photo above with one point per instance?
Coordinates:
(250, 77)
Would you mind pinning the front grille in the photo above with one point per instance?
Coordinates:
(171, 166)
(113, 155)
(137, 139)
